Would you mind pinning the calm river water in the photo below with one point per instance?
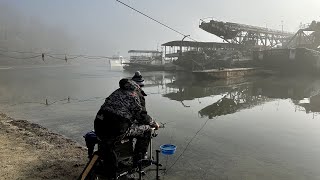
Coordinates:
(241, 129)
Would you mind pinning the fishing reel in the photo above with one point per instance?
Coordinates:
(154, 133)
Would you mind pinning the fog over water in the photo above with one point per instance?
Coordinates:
(28, 34)
(107, 27)
(246, 128)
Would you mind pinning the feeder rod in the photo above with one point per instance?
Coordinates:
(157, 159)
(140, 170)
(150, 156)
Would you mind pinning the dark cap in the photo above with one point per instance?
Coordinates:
(138, 78)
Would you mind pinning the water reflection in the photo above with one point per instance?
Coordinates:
(190, 89)
(234, 101)
(304, 92)
(238, 94)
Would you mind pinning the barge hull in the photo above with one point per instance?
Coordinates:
(224, 73)
(289, 61)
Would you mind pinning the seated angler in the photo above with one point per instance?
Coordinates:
(124, 115)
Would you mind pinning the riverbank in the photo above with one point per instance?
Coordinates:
(29, 151)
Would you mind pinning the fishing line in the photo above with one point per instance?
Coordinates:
(187, 36)
(22, 52)
(48, 103)
(170, 142)
(20, 57)
(52, 55)
(166, 171)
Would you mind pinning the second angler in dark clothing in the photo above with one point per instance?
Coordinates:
(138, 78)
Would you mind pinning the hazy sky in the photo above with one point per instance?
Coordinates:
(105, 27)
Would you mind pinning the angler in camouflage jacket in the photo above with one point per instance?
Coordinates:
(124, 114)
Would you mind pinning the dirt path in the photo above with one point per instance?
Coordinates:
(29, 151)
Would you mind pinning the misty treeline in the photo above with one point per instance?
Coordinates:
(22, 33)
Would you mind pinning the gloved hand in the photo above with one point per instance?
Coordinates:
(154, 124)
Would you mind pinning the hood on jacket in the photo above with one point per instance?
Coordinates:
(127, 84)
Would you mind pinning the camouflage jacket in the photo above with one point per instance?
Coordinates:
(128, 102)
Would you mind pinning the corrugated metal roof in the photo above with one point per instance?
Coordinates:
(199, 44)
(143, 51)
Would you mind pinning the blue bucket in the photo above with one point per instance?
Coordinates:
(168, 149)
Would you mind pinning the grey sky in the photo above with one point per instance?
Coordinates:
(105, 27)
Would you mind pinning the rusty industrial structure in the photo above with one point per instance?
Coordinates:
(245, 49)
(246, 35)
(308, 37)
